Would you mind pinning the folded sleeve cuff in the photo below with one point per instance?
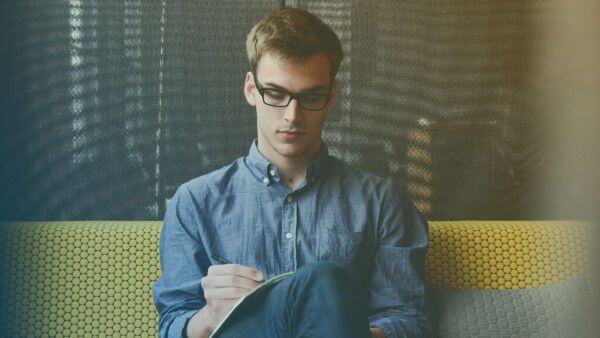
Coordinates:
(384, 324)
(391, 327)
(178, 326)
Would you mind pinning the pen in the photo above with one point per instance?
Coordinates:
(224, 261)
(219, 259)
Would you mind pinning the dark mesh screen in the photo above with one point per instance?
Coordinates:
(108, 106)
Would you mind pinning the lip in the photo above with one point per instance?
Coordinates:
(291, 134)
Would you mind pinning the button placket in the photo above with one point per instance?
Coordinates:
(288, 230)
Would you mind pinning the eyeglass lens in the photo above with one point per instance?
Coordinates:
(307, 101)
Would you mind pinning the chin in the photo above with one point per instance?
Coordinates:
(291, 150)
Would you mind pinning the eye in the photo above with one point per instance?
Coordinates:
(275, 95)
(312, 99)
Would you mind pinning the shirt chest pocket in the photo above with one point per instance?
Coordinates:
(338, 245)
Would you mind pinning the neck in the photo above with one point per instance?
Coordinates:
(292, 170)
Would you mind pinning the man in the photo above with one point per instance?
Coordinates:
(357, 244)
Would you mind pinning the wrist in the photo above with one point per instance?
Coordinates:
(200, 325)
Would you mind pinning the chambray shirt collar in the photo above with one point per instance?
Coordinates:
(266, 170)
(318, 166)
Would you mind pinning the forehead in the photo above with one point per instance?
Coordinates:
(294, 75)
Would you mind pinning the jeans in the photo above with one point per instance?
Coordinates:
(318, 300)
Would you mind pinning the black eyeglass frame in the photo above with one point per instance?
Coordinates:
(262, 90)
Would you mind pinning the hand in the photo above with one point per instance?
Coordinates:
(224, 285)
(377, 332)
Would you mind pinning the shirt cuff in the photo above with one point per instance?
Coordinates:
(384, 325)
(389, 326)
(179, 325)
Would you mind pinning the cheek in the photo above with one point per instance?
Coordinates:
(317, 123)
(265, 119)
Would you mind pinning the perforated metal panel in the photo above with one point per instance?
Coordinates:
(108, 106)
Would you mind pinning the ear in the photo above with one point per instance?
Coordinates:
(250, 89)
(332, 96)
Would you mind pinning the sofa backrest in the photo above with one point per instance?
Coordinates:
(79, 278)
(506, 254)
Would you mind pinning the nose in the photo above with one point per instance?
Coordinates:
(292, 111)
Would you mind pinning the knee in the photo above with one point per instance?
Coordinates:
(323, 272)
(329, 282)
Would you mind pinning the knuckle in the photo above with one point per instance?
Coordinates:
(239, 292)
(234, 280)
(257, 274)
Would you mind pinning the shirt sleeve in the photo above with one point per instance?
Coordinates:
(397, 291)
(177, 293)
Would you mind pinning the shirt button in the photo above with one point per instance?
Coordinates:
(288, 235)
(266, 181)
(272, 172)
(290, 199)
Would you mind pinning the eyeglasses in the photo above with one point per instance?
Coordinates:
(280, 98)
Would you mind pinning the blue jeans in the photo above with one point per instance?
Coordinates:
(318, 300)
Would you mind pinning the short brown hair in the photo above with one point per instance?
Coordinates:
(293, 34)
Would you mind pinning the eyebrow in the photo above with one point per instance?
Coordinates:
(310, 89)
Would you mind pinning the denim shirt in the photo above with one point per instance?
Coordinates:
(245, 214)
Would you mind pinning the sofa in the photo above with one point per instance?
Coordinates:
(486, 278)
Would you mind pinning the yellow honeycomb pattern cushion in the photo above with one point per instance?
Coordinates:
(506, 254)
(79, 279)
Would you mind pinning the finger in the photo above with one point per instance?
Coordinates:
(224, 293)
(235, 269)
(224, 281)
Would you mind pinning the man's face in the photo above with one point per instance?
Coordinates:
(291, 132)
